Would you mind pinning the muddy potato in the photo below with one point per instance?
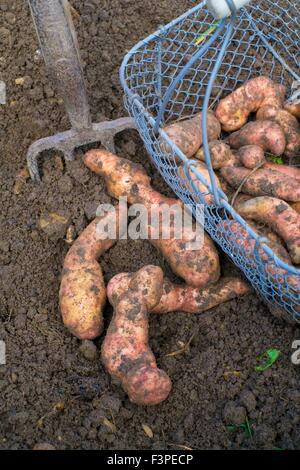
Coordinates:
(125, 351)
(198, 267)
(265, 134)
(221, 155)
(263, 182)
(187, 134)
(289, 125)
(234, 110)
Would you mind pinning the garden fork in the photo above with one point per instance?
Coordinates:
(57, 36)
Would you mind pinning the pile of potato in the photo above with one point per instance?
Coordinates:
(125, 351)
(264, 192)
(268, 193)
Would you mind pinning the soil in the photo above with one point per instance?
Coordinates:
(53, 389)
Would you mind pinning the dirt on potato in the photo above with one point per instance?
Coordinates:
(53, 388)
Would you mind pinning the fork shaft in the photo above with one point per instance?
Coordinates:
(59, 46)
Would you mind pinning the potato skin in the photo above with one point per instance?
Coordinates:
(266, 134)
(234, 110)
(251, 156)
(235, 232)
(192, 300)
(296, 206)
(82, 293)
(293, 108)
(201, 187)
(125, 351)
(287, 122)
(284, 220)
(187, 134)
(221, 155)
(82, 299)
(292, 171)
(196, 267)
(263, 183)
(184, 298)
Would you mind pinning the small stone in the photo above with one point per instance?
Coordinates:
(54, 224)
(25, 82)
(92, 434)
(5, 37)
(49, 92)
(294, 395)
(265, 435)
(247, 398)
(70, 235)
(14, 378)
(3, 385)
(20, 321)
(194, 395)
(65, 184)
(234, 414)
(189, 422)
(4, 246)
(111, 402)
(35, 235)
(44, 446)
(31, 313)
(19, 418)
(37, 56)
(10, 18)
(20, 180)
(90, 210)
(130, 148)
(88, 350)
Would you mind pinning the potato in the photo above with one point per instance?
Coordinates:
(221, 155)
(187, 134)
(188, 299)
(293, 108)
(125, 351)
(263, 183)
(284, 220)
(205, 195)
(251, 156)
(234, 110)
(82, 295)
(192, 300)
(287, 170)
(123, 178)
(266, 134)
(289, 125)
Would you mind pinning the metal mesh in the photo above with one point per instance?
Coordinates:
(148, 75)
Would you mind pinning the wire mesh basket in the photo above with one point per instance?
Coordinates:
(185, 68)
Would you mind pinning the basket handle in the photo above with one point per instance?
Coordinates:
(206, 101)
(183, 72)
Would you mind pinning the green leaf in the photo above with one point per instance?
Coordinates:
(271, 357)
(277, 160)
(249, 430)
(209, 31)
(246, 427)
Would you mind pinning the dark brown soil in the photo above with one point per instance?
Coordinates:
(49, 392)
